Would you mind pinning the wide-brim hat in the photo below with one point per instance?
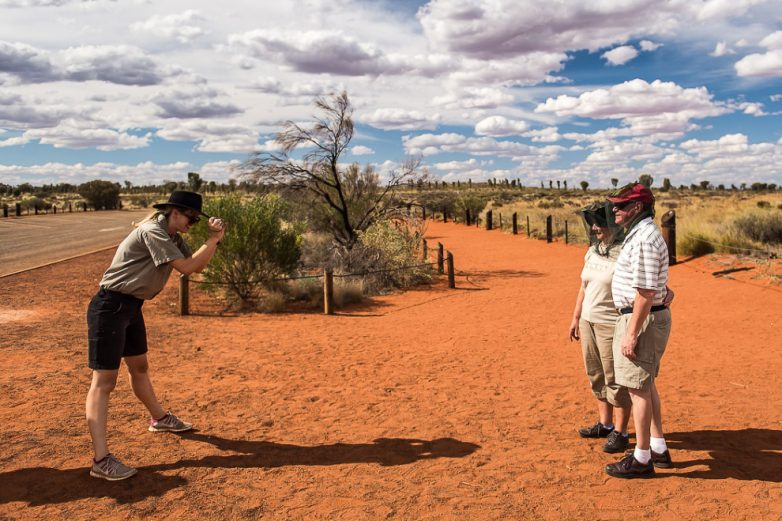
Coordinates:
(633, 192)
(183, 199)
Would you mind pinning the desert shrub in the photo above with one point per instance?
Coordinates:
(695, 244)
(764, 204)
(475, 202)
(32, 203)
(389, 245)
(274, 302)
(101, 195)
(761, 227)
(139, 201)
(347, 291)
(258, 246)
(307, 290)
(555, 203)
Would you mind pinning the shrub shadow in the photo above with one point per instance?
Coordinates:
(745, 454)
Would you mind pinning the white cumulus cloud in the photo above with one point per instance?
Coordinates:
(499, 126)
(768, 64)
(620, 55)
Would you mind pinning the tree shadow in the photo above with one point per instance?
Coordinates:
(44, 485)
(745, 454)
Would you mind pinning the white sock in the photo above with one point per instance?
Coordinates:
(658, 445)
(608, 426)
(643, 456)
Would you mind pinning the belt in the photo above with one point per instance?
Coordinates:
(628, 310)
(118, 294)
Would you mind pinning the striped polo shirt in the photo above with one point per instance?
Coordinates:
(642, 264)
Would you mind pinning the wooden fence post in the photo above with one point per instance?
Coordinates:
(55, 209)
(84, 206)
(467, 216)
(184, 295)
(445, 215)
(423, 213)
(566, 234)
(70, 208)
(36, 209)
(5, 210)
(500, 221)
(18, 209)
(668, 229)
(440, 260)
(548, 229)
(328, 291)
(488, 220)
(424, 250)
(528, 226)
(451, 272)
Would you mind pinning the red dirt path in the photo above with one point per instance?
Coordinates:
(431, 404)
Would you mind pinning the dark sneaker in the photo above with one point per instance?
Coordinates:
(111, 469)
(595, 431)
(630, 468)
(663, 460)
(616, 443)
(169, 423)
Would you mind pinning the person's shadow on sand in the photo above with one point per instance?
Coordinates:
(747, 454)
(43, 485)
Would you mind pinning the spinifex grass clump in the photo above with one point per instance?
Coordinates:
(763, 227)
(258, 246)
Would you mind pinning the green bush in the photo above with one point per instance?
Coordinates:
(101, 195)
(389, 245)
(695, 244)
(760, 227)
(258, 246)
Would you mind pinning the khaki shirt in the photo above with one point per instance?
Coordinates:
(598, 306)
(142, 264)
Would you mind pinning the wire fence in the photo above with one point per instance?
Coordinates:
(204, 297)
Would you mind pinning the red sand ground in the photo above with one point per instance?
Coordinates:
(431, 404)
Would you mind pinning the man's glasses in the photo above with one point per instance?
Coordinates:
(192, 219)
(623, 205)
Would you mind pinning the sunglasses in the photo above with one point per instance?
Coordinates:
(192, 219)
(623, 205)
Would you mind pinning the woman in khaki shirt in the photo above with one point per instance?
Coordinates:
(593, 323)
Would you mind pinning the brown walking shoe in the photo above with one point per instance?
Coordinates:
(630, 468)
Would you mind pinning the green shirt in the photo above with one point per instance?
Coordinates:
(142, 264)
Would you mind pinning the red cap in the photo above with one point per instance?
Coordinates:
(636, 192)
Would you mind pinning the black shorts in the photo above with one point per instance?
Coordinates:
(115, 328)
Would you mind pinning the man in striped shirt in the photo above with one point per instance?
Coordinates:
(642, 329)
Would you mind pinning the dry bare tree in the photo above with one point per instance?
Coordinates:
(351, 198)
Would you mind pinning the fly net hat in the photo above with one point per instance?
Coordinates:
(599, 214)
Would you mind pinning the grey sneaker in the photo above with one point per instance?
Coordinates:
(169, 423)
(111, 469)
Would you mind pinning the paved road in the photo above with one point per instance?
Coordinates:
(29, 241)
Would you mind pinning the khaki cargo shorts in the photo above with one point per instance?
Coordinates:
(641, 372)
(596, 342)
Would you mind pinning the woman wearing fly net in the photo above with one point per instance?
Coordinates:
(593, 323)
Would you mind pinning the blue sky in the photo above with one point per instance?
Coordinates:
(527, 89)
